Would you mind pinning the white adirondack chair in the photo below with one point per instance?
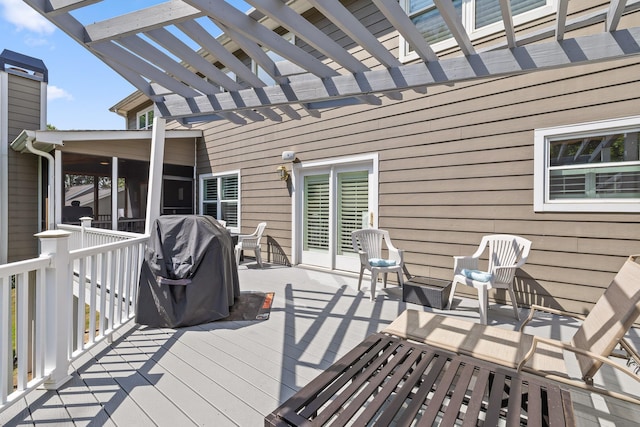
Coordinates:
(251, 242)
(506, 253)
(368, 244)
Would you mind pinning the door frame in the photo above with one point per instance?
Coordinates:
(300, 169)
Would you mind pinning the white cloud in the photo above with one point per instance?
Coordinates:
(54, 92)
(36, 41)
(24, 17)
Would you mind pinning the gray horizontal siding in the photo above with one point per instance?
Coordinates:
(455, 164)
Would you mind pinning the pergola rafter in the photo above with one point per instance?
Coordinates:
(167, 52)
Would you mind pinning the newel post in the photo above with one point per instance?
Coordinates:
(55, 243)
(85, 222)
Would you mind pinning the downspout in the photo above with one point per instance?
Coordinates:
(50, 180)
(4, 166)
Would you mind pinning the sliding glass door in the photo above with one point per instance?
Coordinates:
(336, 200)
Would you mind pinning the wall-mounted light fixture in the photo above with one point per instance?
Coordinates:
(282, 172)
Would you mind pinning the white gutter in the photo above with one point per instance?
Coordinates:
(50, 180)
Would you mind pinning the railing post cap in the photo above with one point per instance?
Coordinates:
(53, 234)
(84, 218)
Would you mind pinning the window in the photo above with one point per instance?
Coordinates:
(145, 119)
(333, 197)
(479, 17)
(588, 167)
(220, 197)
(353, 207)
(316, 213)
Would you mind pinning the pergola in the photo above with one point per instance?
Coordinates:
(153, 49)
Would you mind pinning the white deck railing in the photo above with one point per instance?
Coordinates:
(85, 236)
(56, 307)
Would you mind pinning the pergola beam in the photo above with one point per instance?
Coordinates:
(295, 23)
(182, 51)
(616, 9)
(556, 54)
(352, 27)
(158, 16)
(453, 21)
(145, 48)
(256, 53)
(398, 18)
(55, 7)
(215, 49)
(171, 68)
(507, 20)
(561, 19)
(232, 18)
(128, 60)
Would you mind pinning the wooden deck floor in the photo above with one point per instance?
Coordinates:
(235, 373)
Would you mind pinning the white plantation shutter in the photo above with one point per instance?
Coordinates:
(353, 205)
(488, 11)
(316, 215)
(427, 18)
(220, 197)
(210, 197)
(229, 200)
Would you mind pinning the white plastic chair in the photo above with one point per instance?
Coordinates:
(251, 242)
(506, 254)
(368, 244)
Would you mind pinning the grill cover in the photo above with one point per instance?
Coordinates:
(189, 275)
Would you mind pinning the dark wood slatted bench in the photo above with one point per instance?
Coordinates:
(389, 381)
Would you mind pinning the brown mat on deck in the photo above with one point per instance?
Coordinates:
(251, 305)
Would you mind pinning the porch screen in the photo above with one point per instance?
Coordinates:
(353, 206)
(316, 213)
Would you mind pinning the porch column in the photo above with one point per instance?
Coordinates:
(114, 193)
(59, 193)
(55, 243)
(155, 173)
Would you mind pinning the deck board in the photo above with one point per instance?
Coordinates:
(52, 410)
(82, 406)
(232, 373)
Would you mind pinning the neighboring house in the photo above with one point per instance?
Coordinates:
(23, 100)
(551, 155)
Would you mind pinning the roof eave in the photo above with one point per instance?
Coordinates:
(47, 140)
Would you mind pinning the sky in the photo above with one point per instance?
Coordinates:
(81, 88)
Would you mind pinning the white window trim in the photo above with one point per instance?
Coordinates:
(201, 179)
(541, 203)
(468, 7)
(297, 172)
(144, 112)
